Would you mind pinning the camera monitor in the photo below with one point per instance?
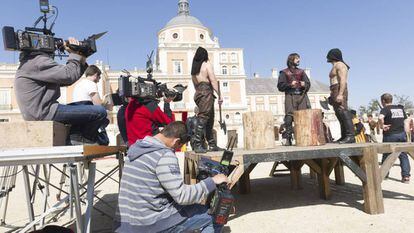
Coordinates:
(44, 6)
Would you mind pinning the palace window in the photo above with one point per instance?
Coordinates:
(178, 66)
(5, 98)
(273, 108)
(226, 101)
(175, 35)
(233, 57)
(234, 70)
(223, 57)
(225, 87)
(260, 107)
(224, 70)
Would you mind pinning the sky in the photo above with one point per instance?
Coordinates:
(375, 36)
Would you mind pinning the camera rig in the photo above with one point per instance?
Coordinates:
(139, 87)
(34, 39)
(221, 201)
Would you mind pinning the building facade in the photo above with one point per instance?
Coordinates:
(178, 41)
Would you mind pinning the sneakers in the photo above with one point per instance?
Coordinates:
(405, 180)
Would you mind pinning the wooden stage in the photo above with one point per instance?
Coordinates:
(361, 159)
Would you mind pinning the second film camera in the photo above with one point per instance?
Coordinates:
(138, 87)
(34, 39)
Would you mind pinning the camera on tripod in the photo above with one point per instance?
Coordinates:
(138, 87)
(34, 39)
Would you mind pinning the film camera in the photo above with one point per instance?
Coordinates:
(35, 39)
(221, 201)
(138, 87)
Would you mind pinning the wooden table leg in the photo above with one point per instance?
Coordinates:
(186, 171)
(323, 180)
(244, 181)
(372, 191)
(339, 173)
(296, 174)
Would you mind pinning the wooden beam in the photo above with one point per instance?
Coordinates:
(354, 167)
(339, 173)
(332, 164)
(372, 191)
(313, 165)
(387, 164)
(323, 180)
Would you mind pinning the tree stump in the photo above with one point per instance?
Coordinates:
(309, 127)
(258, 130)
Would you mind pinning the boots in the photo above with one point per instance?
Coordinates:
(289, 130)
(341, 123)
(349, 128)
(198, 138)
(212, 144)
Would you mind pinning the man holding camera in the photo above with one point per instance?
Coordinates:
(143, 117)
(153, 197)
(37, 88)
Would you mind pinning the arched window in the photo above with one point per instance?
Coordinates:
(224, 70)
(234, 70)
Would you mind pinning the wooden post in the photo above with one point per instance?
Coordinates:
(309, 127)
(339, 173)
(372, 191)
(296, 174)
(323, 180)
(258, 130)
(244, 181)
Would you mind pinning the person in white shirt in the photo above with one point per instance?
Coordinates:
(86, 90)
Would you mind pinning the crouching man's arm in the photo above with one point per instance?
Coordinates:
(168, 173)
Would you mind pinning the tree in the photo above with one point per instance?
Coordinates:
(404, 101)
(372, 107)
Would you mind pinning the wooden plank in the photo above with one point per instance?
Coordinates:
(354, 167)
(186, 171)
(387, 164)
(94, 150)
(323, 180)
(332, 164)
(258, 130)
(372, 191)
(339, 173)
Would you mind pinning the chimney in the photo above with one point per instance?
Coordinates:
(308, 72)
(256, 75)
(275, 73)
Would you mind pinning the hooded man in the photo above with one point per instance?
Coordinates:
(295, 83)
(339, 95)
(205, 84)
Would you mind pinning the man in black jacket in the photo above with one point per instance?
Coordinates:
(295, 83)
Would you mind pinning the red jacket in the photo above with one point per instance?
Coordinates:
(144, 117)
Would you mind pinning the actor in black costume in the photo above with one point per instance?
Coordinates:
(295, 84)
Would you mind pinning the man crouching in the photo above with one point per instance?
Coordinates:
(153, 197)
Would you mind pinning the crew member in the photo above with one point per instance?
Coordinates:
(295, 83)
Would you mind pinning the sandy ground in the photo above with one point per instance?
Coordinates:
(270, 207)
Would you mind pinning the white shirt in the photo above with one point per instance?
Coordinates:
(83, 90)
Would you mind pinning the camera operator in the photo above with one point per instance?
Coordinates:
(37, 88)
(144, 117)
(153, 197)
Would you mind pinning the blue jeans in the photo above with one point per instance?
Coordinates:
(86, 118)
(404, 162)
(199, 221)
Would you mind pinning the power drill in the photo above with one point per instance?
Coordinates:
(221, 201)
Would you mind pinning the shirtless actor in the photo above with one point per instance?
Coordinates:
(339, 95)
(205, 83)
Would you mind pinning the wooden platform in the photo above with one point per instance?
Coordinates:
(361, 159)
